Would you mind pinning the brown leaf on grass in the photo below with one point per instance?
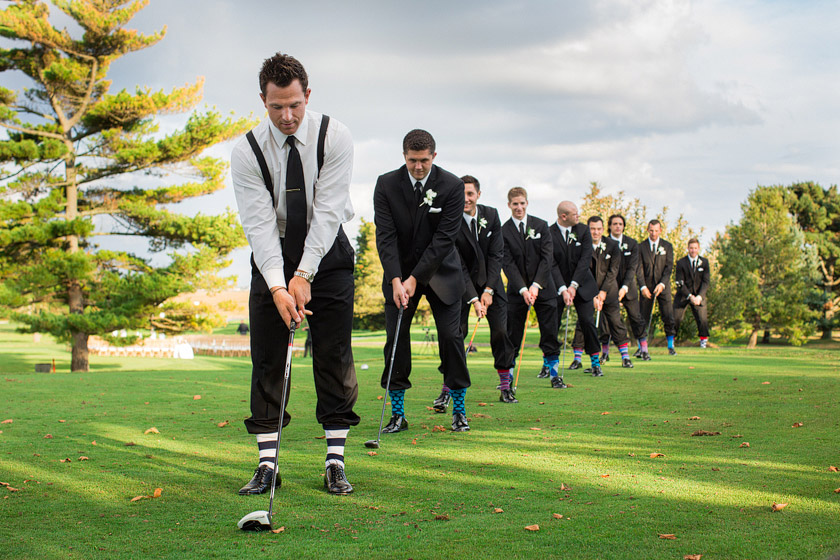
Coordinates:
(8, 421)
(197, 397)
(557, 515)
(429, 408)
(321, 437)
(605, 476)
(655, 455)
(67, 460)
(152, 430)
(223, 424)
(541, 402)
(745, 444)
(93, 442)
(442, 517)
(631, 454)
(736, 436)
(62, 421)
(498, 510)
(533, 527)
(669, 536)
(715, 469)
(482, 404)
(438, 429)
(380, 397)
(158, 492)
(604, 413)
(414, 441)
(48, 436)
(279, 529)
(372, 453)
(837, 491)
(694, 418)
(832, 468)
(137, 498)
(692, 557)
(765, 383)
(778, 507)
(130, 444)
(4, 483)
(10, 489)
(705, 433)
(83, 458)
(564, 487)
(797, 425)
(536, 429)
(479, 415)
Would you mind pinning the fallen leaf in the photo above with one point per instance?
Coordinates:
(9, 421)
(745, 444)
(438, 429)
(372, 453)
(479, 415)
(10, 489)
(715, 469)
(604, 413)
(669, 536)
(48, 436)
(694, 418)
(654, 455)
(482, 404)
(631, 454)
(832, 469)
(536, 429)
(429, 408)
(533, 527)
(320, 437)
(498, 510)
(414, 441)
(605, 476)
(690, 367)
(380, 397)
(541, 402)
(4, 483)
(152, 430)
(93, 442)
(223, 424)
(197, 398)
(564, 487)
(130, 444)
(557, 515)
(705, 433)
(442, 517)
(279, 529)
(765, 383)
(137, 498)
(736, 436)
(158, 492)
(83, 458)
(67, 460)
(62, 421)
(837, 491)
(797, 425)
(777, 507)
(692, 557)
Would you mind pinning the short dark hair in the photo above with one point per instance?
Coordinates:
(655, 222)
(693, 240)
(593, 219)
(472, 180)
(614, 216)
(281, 70)
(417, 141)
(517, 191)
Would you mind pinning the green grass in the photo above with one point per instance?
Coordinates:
(427, 493)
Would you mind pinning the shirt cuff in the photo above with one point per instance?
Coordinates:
(522, 290)
(661, 284)
(625, 288)
(472, 301)
(642, 288)
(274, 277)
(575, 285)
(309, 262)
(561, 289)
(537, 285)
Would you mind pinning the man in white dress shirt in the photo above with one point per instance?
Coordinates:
(291, 176)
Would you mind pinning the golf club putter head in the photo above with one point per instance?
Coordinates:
(372, 444)
(255, 521)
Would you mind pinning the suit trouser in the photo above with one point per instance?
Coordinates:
(330, 325)
(700, 312)
(586, 324)
(666, 311)
(611, 325)
(500, 344)
(637, 324)
(450, 342)
(546, 309)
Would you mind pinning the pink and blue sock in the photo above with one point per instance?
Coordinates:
(505, 379)
(625, 350)
(605, 349)
(670, 342)
(594, 360)
(578, 353)
(459, 397)
(397, 402)
(643, 344)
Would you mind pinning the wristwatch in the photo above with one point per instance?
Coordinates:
(489, 291)
(308, 276)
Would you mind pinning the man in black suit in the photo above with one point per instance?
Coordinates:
(628, 290)
(418, 213)
(482, 249)
(527, 266)
(576, 286)
(656, 258)
(606, 259)
(692, 279)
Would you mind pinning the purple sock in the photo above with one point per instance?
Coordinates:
(504, 379)
(643, 344)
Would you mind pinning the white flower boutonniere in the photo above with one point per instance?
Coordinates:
(572, 236)
(624, 246)
(532, 234)
(430, 196)
(602, 246)
(660, 251)
(482, 223)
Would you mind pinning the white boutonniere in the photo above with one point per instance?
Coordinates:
(430, 196)
(660, 251)
(532, 234)
(602, 246)
(624, 246)
(482, 223)
(572, 236)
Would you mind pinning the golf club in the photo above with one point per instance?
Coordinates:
(521, 348)
(261, 520)
(374, 444)
(598, 319)
(565, 338)
(475, 330)
(650, 318)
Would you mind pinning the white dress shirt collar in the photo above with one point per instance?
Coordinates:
(522, 221)
(300, 134)
(422, 181)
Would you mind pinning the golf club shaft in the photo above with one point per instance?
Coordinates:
(292, 327)
(522, 348)
(390, 369)
(650, 317)
(598, 319)
(475, 330)
(565, 337)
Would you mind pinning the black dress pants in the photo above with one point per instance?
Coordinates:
(586, 323)
(546, 309)
(611, 326)
(666, 311)
(330, 325)
(500, 344)
(701, 314)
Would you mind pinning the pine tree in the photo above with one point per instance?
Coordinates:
(70, 148)
(369, 304)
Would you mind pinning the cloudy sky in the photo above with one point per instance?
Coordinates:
(685, 104)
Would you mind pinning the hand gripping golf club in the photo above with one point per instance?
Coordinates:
(261, 520)
(371, 443)
(521, 348)
(475, 330)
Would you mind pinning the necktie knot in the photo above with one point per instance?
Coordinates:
(418, 192)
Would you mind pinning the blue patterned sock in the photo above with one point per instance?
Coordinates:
(505, 379)
(554, 366)
(397, 399)
(458, 398)
(670, 342)
(593, 358)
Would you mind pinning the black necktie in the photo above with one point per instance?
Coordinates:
(522, 229)
(693, 266)
(565, 235)
(295, 209)
(418, 193)
(473, 229)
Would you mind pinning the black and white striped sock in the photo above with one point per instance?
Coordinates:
(336, 438)
(268, 448)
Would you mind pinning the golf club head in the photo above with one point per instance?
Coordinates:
(562, 385)
(255, 521)
(372, 444)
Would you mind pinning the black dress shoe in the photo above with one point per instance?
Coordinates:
(335, 481)
(638, 353)
(261, 482)
(395, 424)
(507, 396)
(544, 373)
(605, 358)
(441, 402)
(459, 423)
(557, 383)
(596, 371)
(588, 370)
(626, 363)
(672, 352)
(575, 364)
(645, 356)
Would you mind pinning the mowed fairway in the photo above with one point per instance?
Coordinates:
(582, 453)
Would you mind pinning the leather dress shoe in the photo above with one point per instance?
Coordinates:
(645, 356)
(335, 481)
(261, 482)
(441, 402)
(672, 352)
(588, 370)
(626, 363)
(459, 423)
(575, 364)
(544, 373)
(638, 353)
(395, 424)
(596, 371)
(557, 383)
(507, 396)
(605, 358)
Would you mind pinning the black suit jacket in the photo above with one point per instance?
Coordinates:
(655, 269)
(420, 241)
(528, 260)
(691, 283)
(573, 259)
(605, 263)
(482, 258)
(629, 267)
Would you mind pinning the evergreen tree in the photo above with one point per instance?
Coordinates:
(70, 148)
(368, 302)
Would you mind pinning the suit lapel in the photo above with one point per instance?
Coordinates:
(423, 210)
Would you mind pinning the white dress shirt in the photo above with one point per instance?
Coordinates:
(327, 209)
